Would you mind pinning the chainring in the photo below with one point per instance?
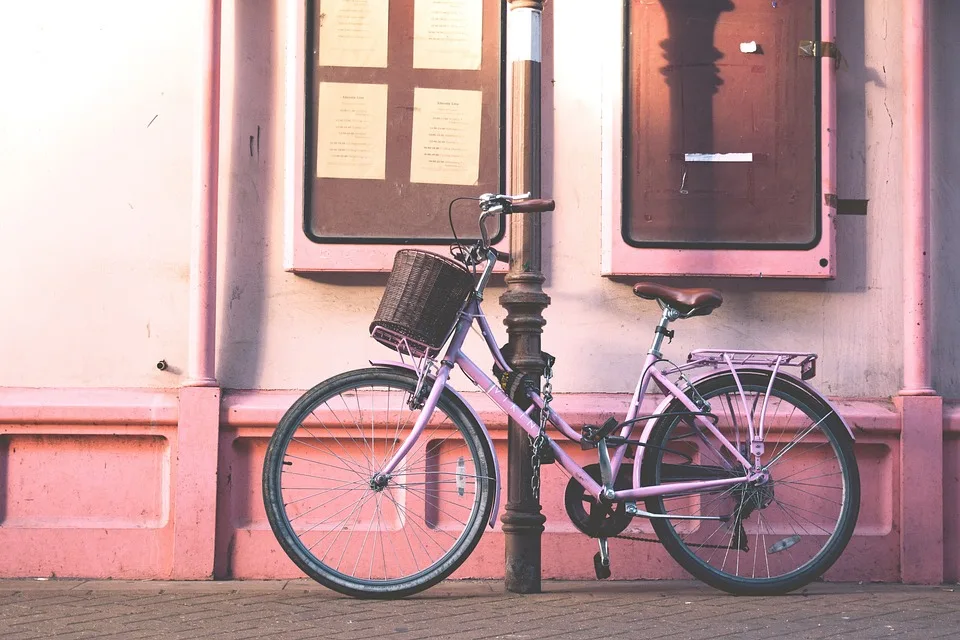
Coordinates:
(595, 518)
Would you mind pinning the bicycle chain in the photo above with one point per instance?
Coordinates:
(623, 536)
(536, 444)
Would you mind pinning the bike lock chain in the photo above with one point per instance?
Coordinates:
(537, 444)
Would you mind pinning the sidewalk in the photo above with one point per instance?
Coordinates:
(63, 609)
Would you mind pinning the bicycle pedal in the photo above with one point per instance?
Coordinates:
(603, 570)
(587, 436)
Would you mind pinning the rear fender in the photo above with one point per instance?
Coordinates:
(468, 409)
(793, 380)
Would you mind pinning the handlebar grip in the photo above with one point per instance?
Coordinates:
(503, 257)
(533, 206)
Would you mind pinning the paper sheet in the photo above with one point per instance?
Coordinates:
(446, 136)
(351, 130)
(352, 33)
(447, 34)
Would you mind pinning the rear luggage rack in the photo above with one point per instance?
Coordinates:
(807, 362)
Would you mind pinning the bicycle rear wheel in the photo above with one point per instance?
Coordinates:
(767, 537)
(353, 531)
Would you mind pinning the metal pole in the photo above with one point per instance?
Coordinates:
(202, 325)
(524, 298)
(917, 378)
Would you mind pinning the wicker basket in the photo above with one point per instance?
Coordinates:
(421, 301)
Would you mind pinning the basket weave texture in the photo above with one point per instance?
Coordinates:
(423, 295)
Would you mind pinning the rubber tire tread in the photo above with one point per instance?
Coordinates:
(273, 500)
(800, 396)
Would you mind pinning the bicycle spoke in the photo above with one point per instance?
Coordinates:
(342, 529)
(337, 528)
(810, 493)
(805, 469)
(404, 511)
(363, 543)
(345, 487)
(323, 464)
(349, 431)
(439, 510)
(795, 441)
(300, 441)
(320, 506)
(794, 509)
(344, 427)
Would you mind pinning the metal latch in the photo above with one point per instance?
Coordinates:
(820, 49)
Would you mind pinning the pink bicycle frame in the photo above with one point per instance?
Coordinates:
(454, 356)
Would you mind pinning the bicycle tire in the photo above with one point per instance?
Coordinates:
(794, 512)
(445, 481)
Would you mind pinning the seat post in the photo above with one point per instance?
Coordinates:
(669, 315)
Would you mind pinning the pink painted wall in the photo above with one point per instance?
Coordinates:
(96, 213)
(246, 547)
(94, 240)
(94, 209)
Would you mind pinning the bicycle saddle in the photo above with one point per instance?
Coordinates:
(689, 302)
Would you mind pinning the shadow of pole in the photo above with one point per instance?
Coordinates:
(945, 223)
(694, 79)
(253, 123)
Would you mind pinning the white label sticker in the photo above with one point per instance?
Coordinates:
(718, 157)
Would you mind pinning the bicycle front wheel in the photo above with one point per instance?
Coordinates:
(767, 537)
(350, 527)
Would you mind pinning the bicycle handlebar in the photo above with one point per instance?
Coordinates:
(532, 206)
(491, 204)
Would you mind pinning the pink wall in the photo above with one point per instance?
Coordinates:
(107, 470)
(246, 547)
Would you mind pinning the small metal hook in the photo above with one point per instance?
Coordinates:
(683, 182)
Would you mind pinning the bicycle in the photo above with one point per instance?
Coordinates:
(378, 482)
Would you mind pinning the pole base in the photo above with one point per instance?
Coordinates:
(522, 530)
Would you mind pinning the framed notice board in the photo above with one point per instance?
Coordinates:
(721, 125)
(719, 137)
(403, 111)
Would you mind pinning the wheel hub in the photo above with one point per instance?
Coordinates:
(379, 482)
(758, 494)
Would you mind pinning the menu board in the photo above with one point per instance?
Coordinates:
(404, 113)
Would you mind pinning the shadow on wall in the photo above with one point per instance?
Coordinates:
(945, 158)
(547, 112)
(255, 128)
(250, 138)
(853, 78)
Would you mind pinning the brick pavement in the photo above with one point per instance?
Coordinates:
(65, 609)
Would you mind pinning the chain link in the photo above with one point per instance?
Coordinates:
(537, 444)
